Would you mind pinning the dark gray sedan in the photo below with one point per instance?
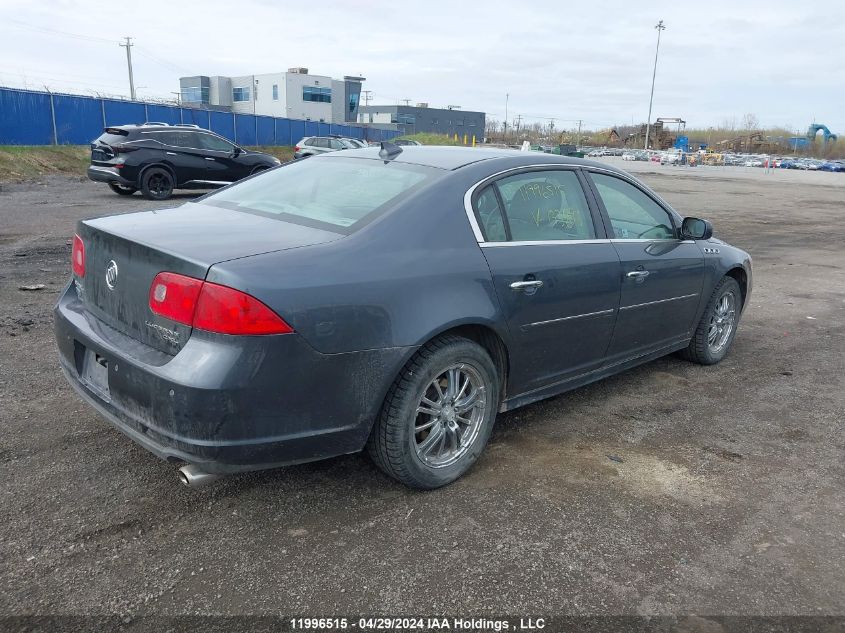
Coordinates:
(394, 300)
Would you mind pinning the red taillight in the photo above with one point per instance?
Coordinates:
(212, 307)
(175, 297)
(123, 149)
(296, 148)
(77, 257)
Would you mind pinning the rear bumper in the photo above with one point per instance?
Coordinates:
(108, 174)
(228, 403)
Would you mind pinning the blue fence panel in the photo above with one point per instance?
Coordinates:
(223, 123)
(163, 114)
(123, 112)
(298, 131)
(79, 120)
(196, 117)
(25, 118)
(245, 129)
(283, 133)
(266, 131)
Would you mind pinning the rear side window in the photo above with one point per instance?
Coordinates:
(333, 193)
(633, 214)
(546, 205)
(489, 213)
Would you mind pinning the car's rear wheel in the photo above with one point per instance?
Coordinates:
(716, 330)
(157, 184)
(122, 190)
(438, 414)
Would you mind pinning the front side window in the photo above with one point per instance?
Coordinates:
(546, 205)
(633, 214)
(215, 143)
(333, 193)
(240, 94)
(316, 94)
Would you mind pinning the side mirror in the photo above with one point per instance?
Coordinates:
(236, 152)
(696, 229)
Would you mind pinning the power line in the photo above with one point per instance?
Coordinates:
(44, 29)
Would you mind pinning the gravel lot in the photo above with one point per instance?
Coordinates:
(724, 495)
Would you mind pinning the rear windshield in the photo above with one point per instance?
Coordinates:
(338, 194)
(113, 136)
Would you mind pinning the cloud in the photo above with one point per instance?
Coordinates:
(781, 61)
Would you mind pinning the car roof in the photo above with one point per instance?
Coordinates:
(451, 158)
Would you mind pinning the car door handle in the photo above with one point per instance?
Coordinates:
(170, 153)
(638, 274)
(208, 158)
(526, 285)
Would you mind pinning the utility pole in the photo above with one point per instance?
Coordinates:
(660, 27)
(505, 133)
(367, 96)
(407, 102)
(551, 128)
(128, 46)
(518, 121)
(578, 140)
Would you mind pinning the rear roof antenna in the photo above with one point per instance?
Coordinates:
(389, 150)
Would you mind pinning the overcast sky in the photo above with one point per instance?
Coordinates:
(783, 61)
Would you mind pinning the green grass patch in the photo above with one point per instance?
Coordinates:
(27, 162)
(283, 152)
(438, 139)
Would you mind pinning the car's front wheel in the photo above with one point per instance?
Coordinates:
(122, 190)
(157, 184)
(438, 414)
(716, 330)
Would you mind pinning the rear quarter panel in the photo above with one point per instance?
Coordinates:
(414, 272)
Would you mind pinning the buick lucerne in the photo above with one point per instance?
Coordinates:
(386, 299)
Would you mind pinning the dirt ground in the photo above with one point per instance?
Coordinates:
(672, 488)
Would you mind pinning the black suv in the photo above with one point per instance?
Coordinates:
(158, 158)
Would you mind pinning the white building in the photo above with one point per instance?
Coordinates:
(294, 94)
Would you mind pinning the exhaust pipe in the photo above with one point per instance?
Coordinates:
(194, 477)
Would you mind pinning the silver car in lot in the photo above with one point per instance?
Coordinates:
(313, 145)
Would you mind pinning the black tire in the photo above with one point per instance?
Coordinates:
(157, 184)
(393, 443)
(121, 190)
(700, 349)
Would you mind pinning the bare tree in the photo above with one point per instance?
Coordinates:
(750, 122)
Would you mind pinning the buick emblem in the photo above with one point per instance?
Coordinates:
(111, 274)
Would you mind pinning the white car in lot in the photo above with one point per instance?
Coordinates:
(670, 157)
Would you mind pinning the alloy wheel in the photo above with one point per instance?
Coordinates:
(722, 323)
(449, 415)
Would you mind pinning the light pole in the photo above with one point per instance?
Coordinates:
(660, 27)
(505, 132)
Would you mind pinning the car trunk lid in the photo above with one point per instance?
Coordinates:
(123, 254)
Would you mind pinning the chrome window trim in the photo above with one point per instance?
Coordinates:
(473, 222)
(651, 303)
(541, 243)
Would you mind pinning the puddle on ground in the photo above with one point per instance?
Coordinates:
(563, 467)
